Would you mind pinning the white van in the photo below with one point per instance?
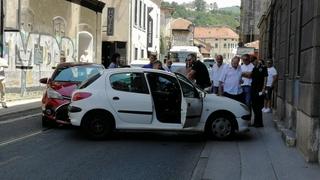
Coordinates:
(180, 53)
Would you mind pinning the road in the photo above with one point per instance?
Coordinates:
(28, 151)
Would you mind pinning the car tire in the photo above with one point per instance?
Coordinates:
(220, 127)
(98, 126)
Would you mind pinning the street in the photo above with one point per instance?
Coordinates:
(27, 151)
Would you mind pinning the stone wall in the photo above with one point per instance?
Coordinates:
(289, 33)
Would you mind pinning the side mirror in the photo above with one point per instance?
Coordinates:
(44, 80)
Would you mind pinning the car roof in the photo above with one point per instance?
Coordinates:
(138, 70)
(72, 64)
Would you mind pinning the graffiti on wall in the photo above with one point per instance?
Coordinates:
(37, 49)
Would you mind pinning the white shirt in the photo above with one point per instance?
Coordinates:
(85, 58)
(247, 68)
(271, 72)
(231, 80)
(216, 73)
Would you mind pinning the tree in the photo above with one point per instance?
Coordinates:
(200, 5)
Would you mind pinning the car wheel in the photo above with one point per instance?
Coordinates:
(97, 126)
(220, 127)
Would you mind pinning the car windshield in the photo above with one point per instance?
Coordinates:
(76, 73)
(179, 56)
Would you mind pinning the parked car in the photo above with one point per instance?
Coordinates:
(209, 62)
(64, 80)
(149, 99)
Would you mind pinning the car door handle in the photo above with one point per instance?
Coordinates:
(116, 98)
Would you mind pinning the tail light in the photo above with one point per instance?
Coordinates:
(80, 95)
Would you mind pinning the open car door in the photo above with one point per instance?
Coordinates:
(191, 103)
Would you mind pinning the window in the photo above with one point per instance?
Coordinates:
(135, 12)
(140, 14)
(225, 45)
(157, 22)
(144, 16)
(135, 53)
(59, 26)
(129, 82)
(76, 73)
(224, 55)
(229, 45)
(142, 53)
(187, 87)
(216, 45)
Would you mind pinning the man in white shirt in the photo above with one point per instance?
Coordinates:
(2, 83)
(216, 73)
(230, 81)
(271, 81)
(246, 69)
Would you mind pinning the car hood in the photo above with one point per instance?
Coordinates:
(214, 102)
(64, 88)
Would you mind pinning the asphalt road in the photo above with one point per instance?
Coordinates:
(27, 151)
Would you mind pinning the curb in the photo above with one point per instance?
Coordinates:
(287, 135)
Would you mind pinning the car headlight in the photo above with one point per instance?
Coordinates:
(245, 107)
(53, 94)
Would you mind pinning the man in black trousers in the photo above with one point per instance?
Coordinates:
(259, 79)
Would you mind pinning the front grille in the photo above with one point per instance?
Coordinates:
(62, 113)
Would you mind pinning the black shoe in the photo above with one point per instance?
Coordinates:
(252, 125)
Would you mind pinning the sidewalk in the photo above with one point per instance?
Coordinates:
(20, 106)
(260, 154)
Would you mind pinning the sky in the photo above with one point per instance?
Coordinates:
(221, 3)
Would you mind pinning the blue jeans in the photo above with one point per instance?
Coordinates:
(247, 95)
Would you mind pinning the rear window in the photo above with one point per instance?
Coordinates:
(76, 73)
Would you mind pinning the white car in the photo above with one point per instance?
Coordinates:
(149, 99)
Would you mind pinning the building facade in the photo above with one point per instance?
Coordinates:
(165, 30)
(223, 40)
(37, 33)
(250, 13)
(182, 32)
(130, 28)
(290, 36)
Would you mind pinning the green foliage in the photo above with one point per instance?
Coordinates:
(222, 17)
(200, 5)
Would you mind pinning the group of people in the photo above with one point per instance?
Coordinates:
(250, 82)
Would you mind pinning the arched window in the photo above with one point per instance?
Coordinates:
(59, 26)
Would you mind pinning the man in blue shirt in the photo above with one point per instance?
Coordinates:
(152, 58)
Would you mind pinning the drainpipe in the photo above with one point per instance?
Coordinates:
(1, 28)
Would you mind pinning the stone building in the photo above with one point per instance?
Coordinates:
(223, 40)
(182, 32)
(290, 36)
(38, 32)
(130, 28)
(250, 13)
